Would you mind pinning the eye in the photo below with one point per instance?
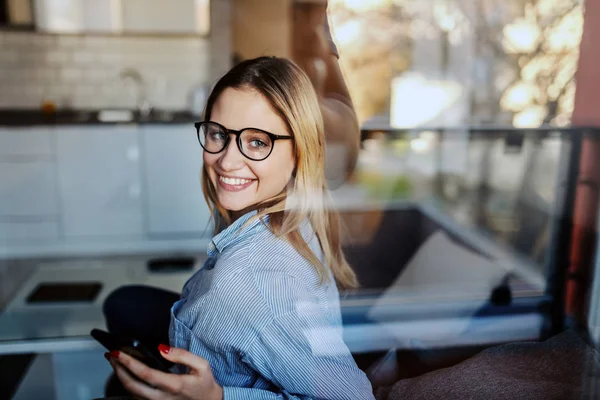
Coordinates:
(258, 144)
(218, 135)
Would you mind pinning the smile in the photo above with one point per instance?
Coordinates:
(234, 184)
(234, 181)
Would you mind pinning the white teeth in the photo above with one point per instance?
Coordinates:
(233, 181)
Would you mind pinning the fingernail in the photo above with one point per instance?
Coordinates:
(114, 354)
(107, 356)
(163, 348)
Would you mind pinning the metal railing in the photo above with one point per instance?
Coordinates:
(491, 141)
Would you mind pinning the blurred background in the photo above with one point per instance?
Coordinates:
(465, 219)
(478, 62)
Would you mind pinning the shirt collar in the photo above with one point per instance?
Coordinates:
(238, 230)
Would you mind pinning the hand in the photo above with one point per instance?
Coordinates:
(150, 384)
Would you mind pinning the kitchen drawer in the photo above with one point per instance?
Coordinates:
(37, 141)
(28, 189)
(38, 231)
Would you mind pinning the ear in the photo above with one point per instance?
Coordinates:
(291, 182)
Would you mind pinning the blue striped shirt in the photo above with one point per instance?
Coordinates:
(258, 314)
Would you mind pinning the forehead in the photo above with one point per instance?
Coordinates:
(246, 108)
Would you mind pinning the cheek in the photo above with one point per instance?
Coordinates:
(276, 174)
(209, 160)
(209, 163)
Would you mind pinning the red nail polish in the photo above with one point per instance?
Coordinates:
(114, 354)
(163, 348)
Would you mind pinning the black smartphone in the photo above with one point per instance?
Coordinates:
(132, 347)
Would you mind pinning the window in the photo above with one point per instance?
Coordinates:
(451, 62)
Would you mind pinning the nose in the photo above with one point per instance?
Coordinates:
(231, 158)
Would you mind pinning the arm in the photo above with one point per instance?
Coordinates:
(300, 350)
(314, 52)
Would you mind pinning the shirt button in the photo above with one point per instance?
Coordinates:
(210, 263)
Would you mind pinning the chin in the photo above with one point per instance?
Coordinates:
(230, 205)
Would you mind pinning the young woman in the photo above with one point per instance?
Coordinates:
(261, 319)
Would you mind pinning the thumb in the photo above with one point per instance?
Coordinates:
(183, 357)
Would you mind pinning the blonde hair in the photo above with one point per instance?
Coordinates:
(291, 95)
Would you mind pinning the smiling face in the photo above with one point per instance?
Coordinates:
(239, 182)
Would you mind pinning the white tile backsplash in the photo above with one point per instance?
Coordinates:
(84, 58)
(82, 71)
(58, 57)
(8, 57)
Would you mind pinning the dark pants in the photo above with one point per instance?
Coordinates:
(141, 313)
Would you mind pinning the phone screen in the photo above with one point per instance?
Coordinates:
(133, 348)
(139, 352)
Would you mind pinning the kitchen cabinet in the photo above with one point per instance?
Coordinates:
(32, 143)
(28, 201)
(27, 189)
(166, 16)
(122, 16)
(99, 181)
(28, 192)
(174, 203)
(20, 13)
(78, 16)
(74, 189)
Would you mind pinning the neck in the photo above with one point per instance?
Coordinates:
(236, 214)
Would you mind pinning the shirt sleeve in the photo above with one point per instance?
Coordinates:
(302, 353)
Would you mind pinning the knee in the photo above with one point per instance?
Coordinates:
(118, 299)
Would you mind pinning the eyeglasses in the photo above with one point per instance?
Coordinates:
(253, 143)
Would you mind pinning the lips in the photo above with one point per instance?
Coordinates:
(234, 184)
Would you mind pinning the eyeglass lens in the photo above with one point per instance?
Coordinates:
(254, 143)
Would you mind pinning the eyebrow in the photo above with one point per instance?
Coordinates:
(252, 127)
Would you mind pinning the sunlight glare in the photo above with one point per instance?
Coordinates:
(417, 100)
(521, 37)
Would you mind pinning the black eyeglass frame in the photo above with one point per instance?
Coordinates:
(238, 135)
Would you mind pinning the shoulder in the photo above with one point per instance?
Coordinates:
(266, 272)
(266, 252)
(272, 258)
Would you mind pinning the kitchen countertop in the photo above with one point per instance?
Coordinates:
(26, 118)
(64, 326)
